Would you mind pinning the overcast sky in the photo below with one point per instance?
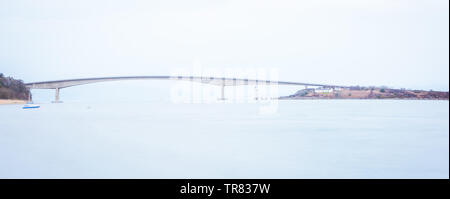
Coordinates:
(397, 43)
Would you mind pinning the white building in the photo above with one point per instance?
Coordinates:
(323, 90)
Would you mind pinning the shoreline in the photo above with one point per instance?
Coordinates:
(12, 101)
(417, 99)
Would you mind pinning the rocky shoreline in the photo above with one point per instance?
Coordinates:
(9, 101)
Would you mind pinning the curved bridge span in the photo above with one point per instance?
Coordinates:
(218, 81)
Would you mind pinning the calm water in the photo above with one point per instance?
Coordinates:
(154, 139)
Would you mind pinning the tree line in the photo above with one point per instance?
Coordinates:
(11, 88)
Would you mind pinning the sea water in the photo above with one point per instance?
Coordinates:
(160, 139)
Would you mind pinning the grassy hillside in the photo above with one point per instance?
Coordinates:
(368, 93)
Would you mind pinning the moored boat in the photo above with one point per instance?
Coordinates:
(30, 106)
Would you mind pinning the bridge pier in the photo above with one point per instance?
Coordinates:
(29, 97)
(256, 92)
(57, 96)
(222, 96)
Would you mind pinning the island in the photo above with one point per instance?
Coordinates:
(357, 92)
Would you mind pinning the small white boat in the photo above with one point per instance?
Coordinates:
(30, 106)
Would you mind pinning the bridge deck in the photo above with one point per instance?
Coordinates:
(219, 81)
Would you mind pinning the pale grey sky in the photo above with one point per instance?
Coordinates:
(397, 43)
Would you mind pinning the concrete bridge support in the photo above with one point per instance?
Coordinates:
(256, 92)
(57, 96)
(222, 96)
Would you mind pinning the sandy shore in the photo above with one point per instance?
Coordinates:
(7, 101)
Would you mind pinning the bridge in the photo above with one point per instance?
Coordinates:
(218, 81)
